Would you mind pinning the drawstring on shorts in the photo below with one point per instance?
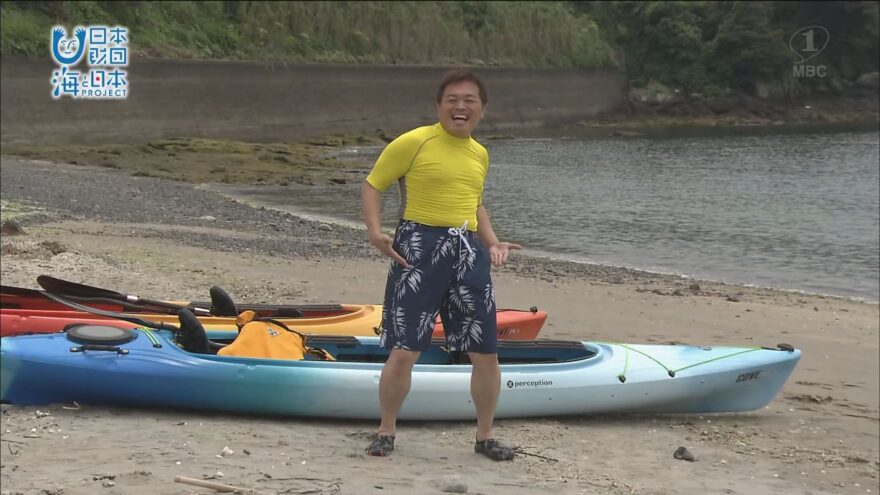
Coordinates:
(461, 238)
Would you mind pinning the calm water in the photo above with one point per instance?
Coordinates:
(794, 211)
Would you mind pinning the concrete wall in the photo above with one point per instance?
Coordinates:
(262, 102)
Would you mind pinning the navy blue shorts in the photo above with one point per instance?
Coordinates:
(450, 276)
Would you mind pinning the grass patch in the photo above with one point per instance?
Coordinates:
(14, 210)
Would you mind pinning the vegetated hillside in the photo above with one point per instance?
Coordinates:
(709, 48)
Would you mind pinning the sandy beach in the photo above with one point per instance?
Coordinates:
(172, 240)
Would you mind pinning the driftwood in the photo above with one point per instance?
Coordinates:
(523, 452)
(220, 487)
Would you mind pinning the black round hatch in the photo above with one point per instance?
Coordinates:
(99, 334)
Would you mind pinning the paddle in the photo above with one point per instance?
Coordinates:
(221, 303)
(111, 314)
(58, 286)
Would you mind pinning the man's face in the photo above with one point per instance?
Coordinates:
(460, 109)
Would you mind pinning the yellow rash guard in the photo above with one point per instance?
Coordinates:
(441, 176)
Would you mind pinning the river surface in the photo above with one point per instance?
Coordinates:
(796, 211)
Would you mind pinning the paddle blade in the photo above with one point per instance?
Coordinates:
(58, 286)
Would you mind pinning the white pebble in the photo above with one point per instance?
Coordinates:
(304, 462)
(226, 451)
(218, 474)
(452, 483)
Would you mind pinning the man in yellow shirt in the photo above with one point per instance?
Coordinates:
(441, 252)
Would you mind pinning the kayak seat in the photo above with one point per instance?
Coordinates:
(223, 305)
(192, 336)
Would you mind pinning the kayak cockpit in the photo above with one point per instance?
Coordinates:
(359, 350)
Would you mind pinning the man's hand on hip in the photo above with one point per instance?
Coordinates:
(385, 245)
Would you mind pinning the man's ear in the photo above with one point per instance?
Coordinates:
(485, 107)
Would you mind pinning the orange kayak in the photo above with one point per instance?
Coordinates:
(26, 311)
(351, 319)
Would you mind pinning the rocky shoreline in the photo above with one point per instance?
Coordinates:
(656, 113)
(37, 192)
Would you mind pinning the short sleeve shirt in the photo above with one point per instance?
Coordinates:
(441, 176)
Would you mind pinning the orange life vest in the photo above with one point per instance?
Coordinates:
(267, 338)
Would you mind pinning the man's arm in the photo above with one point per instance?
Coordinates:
(498, 251)
(371, 204)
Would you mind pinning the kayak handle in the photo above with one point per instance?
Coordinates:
(99, 347)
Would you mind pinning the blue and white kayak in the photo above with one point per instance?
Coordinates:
(538, 378)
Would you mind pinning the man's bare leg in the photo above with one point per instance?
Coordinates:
(485, 387)
(394, 386)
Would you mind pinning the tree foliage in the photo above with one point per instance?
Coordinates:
(715, 47)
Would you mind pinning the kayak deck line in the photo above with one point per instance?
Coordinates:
(150, 336)
(671, 372)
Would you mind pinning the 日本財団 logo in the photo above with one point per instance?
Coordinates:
(104, 48)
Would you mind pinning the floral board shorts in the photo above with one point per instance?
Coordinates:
(449, 275)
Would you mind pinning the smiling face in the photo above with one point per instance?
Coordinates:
(460, 108)
(68, 47)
